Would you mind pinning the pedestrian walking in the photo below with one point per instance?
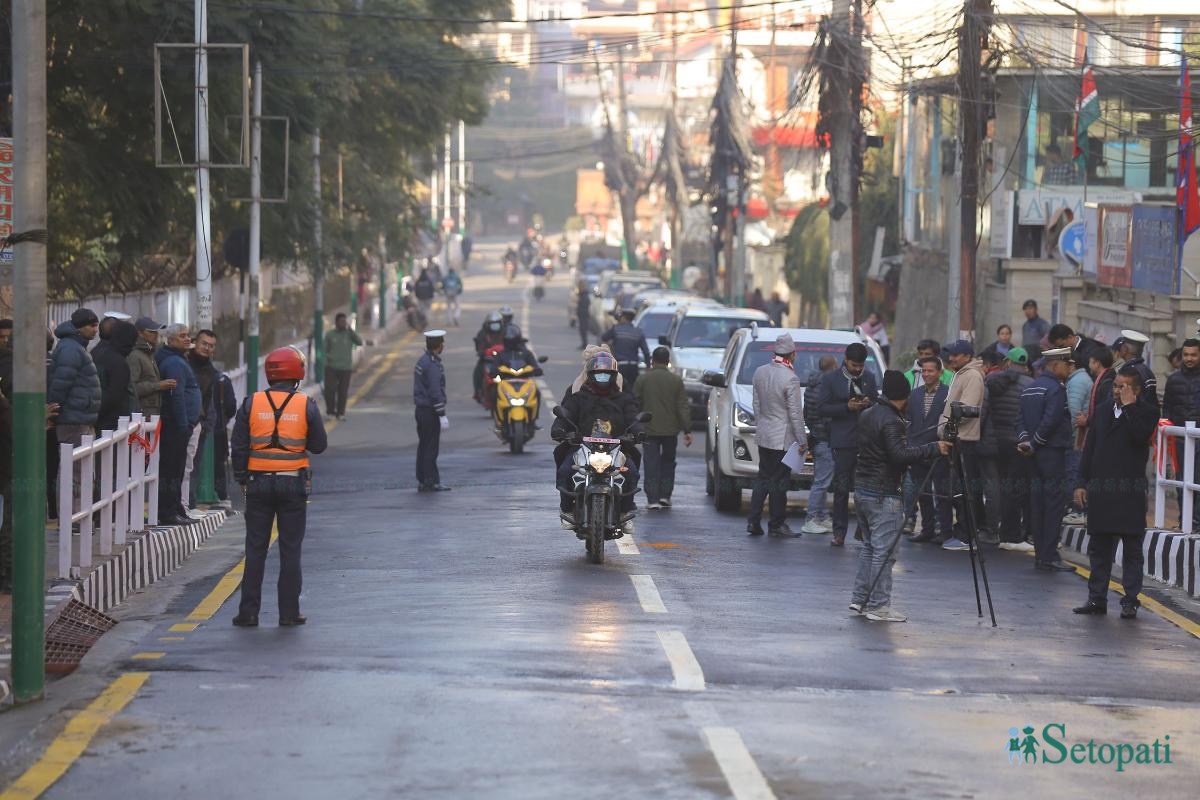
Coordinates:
(1045, 436)
(74, 384)
(924, 409)
(661, 392)
(966, 388)
(200, 360)
(424, 289)
(452, 288)
(148, 385)
(844, 394)
(1112, 484)
(628, 343)
(1034, 327)
(339, 365)
(117, 396)
(1079, 389)
(757, 301)
(273, 433)
(779, 419)
(180, 415)
(1006, 473)
(883, 456)
(583, 312)
(817, 514)
(429, 398)
(776, 308)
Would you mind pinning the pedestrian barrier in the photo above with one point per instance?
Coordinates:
(1184, 473)
(127, 490)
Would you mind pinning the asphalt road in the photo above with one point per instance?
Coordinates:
(459, 646)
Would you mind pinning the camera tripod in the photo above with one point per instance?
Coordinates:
(962, 501)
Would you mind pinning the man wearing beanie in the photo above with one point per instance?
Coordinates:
(883, 456)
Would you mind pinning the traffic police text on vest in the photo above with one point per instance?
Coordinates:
(273, 433)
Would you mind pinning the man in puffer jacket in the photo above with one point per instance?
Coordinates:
(180, 414)
(817, 518)
(74, 382)
(117, 398)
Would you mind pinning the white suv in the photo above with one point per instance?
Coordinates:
(697, 338)
(611, 287)
(730, 451)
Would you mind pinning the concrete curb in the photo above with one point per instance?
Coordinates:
(1171, 557)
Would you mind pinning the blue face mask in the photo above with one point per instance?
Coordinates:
(602, 378)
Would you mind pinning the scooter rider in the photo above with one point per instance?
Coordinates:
(628, 343)
(599, 409)
(516, 353)
(272, 435)
(491, 333)
(506, 315)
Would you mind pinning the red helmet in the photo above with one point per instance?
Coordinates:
(285, 364)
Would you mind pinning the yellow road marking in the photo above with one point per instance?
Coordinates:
(171, 639)
(69, 745)
(148, 656)
(1150, 604)
(225, 587)
(374, 377)
(184, 627)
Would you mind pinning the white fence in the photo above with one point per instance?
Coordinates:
(1169, 436)
(128, 490)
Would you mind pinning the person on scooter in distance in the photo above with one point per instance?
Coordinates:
(506, 315)
(491, 333)
(602, 410)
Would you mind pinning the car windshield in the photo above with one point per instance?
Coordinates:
(708, 331)
(618, 288)
(655, 325)
(808, 359)
(596, 265)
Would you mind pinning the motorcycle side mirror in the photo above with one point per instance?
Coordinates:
(643, 417)
(543, 359)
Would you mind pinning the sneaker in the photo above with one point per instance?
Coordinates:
(627, 527)
(812, 526)
(954, 543)
(1019, 547)
(910, 525)
(653, 506)
(885, 614)
(567, 521)
(856, 607)
(1075, 518)
(665, 502)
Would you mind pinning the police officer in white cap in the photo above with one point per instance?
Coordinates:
(429, 397)
(1133, 348)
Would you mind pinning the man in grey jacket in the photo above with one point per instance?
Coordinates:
(779, 419)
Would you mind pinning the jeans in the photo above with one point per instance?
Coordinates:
(429, 438)
(773, 480)
(274, 499)
(1102, 548)
(1048, 495)
(934, 499)
(337, 387)
(880, 518)
(845, 459)
(1006, 480)
(822, 478)
(659, 454)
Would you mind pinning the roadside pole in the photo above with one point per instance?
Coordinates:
(318, 265)
(205, 485)
(462, 178)
(382, 281)
(29, 356)
(255, 230)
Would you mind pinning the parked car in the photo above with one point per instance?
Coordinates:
(681, 297)
(730, 451)
(655, 320)
(611, 287)
(697, 337)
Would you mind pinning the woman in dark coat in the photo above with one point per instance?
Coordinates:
(1112, 484)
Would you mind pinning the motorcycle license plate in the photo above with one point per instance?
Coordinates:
(598, 440)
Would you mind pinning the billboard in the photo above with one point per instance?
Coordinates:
(1152, 244)
(1113, 251)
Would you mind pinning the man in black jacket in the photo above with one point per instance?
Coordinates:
(1005, 472)
(1081, 346)
(816, 519)
(117, 397)
(883, 456)
(1181, 401)
(1112, 483)
(925, 406)
(844, 394)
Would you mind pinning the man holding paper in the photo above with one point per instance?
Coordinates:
(779, 419)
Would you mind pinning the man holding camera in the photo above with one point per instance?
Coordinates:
(844, 394)
(883, 456)
(1045, 436)
(967, 389)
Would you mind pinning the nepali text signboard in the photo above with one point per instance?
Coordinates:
(1113, 254)
(1153, 248)
(6, 208)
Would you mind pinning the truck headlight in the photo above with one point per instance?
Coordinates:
(743, 416)
(600, 462)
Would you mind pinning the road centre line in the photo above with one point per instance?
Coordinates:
(686, 669)
(626, 546)
(745, 780)
(69, 745)
(648, 594)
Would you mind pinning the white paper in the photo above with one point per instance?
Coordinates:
(794, 457)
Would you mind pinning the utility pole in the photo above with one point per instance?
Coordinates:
(205, 485)
(676, 275)
(29, 356)
(383, 286)
(628, 194)
(448, 209)
(843, 148)
(318, 265)
(433, 193)
(972, 40)
(462, 177)
(733, 181)
(255, 229)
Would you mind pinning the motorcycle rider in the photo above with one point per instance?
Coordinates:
(627, 342)
(491, 333)
(599, 409)
(506, 315)
(516, 353)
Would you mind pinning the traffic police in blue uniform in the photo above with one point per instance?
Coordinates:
(429, 397)
(1133, 348)
(627, 343)
(1045, 436)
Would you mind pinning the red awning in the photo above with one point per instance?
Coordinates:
(785, 136)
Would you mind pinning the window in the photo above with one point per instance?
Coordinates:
(708, 331)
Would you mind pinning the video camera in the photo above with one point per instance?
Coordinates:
(958, 412)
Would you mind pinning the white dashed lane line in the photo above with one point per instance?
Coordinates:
(648, 594)
(626, 546)
(745, 780)
(688, 675)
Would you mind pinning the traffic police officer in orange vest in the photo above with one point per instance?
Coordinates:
(272, 435)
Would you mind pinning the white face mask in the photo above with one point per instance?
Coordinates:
(602, 378)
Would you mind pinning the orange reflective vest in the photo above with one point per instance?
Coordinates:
(278, 432)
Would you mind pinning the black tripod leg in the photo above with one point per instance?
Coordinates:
(959, 473)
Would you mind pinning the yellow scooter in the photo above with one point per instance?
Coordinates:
(517, 404)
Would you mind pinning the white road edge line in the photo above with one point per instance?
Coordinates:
(648, 594)
(745, 779)
(626, 546)
(688, 675)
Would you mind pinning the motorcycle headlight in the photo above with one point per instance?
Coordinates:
(743, 416)
(600, 462)
(517, 401)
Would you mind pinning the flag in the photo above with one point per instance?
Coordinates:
(1187, 192)
(1087, 111)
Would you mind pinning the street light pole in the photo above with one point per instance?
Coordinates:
(205, 487)
(29, 351)
(319, 265)
(255, 230)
